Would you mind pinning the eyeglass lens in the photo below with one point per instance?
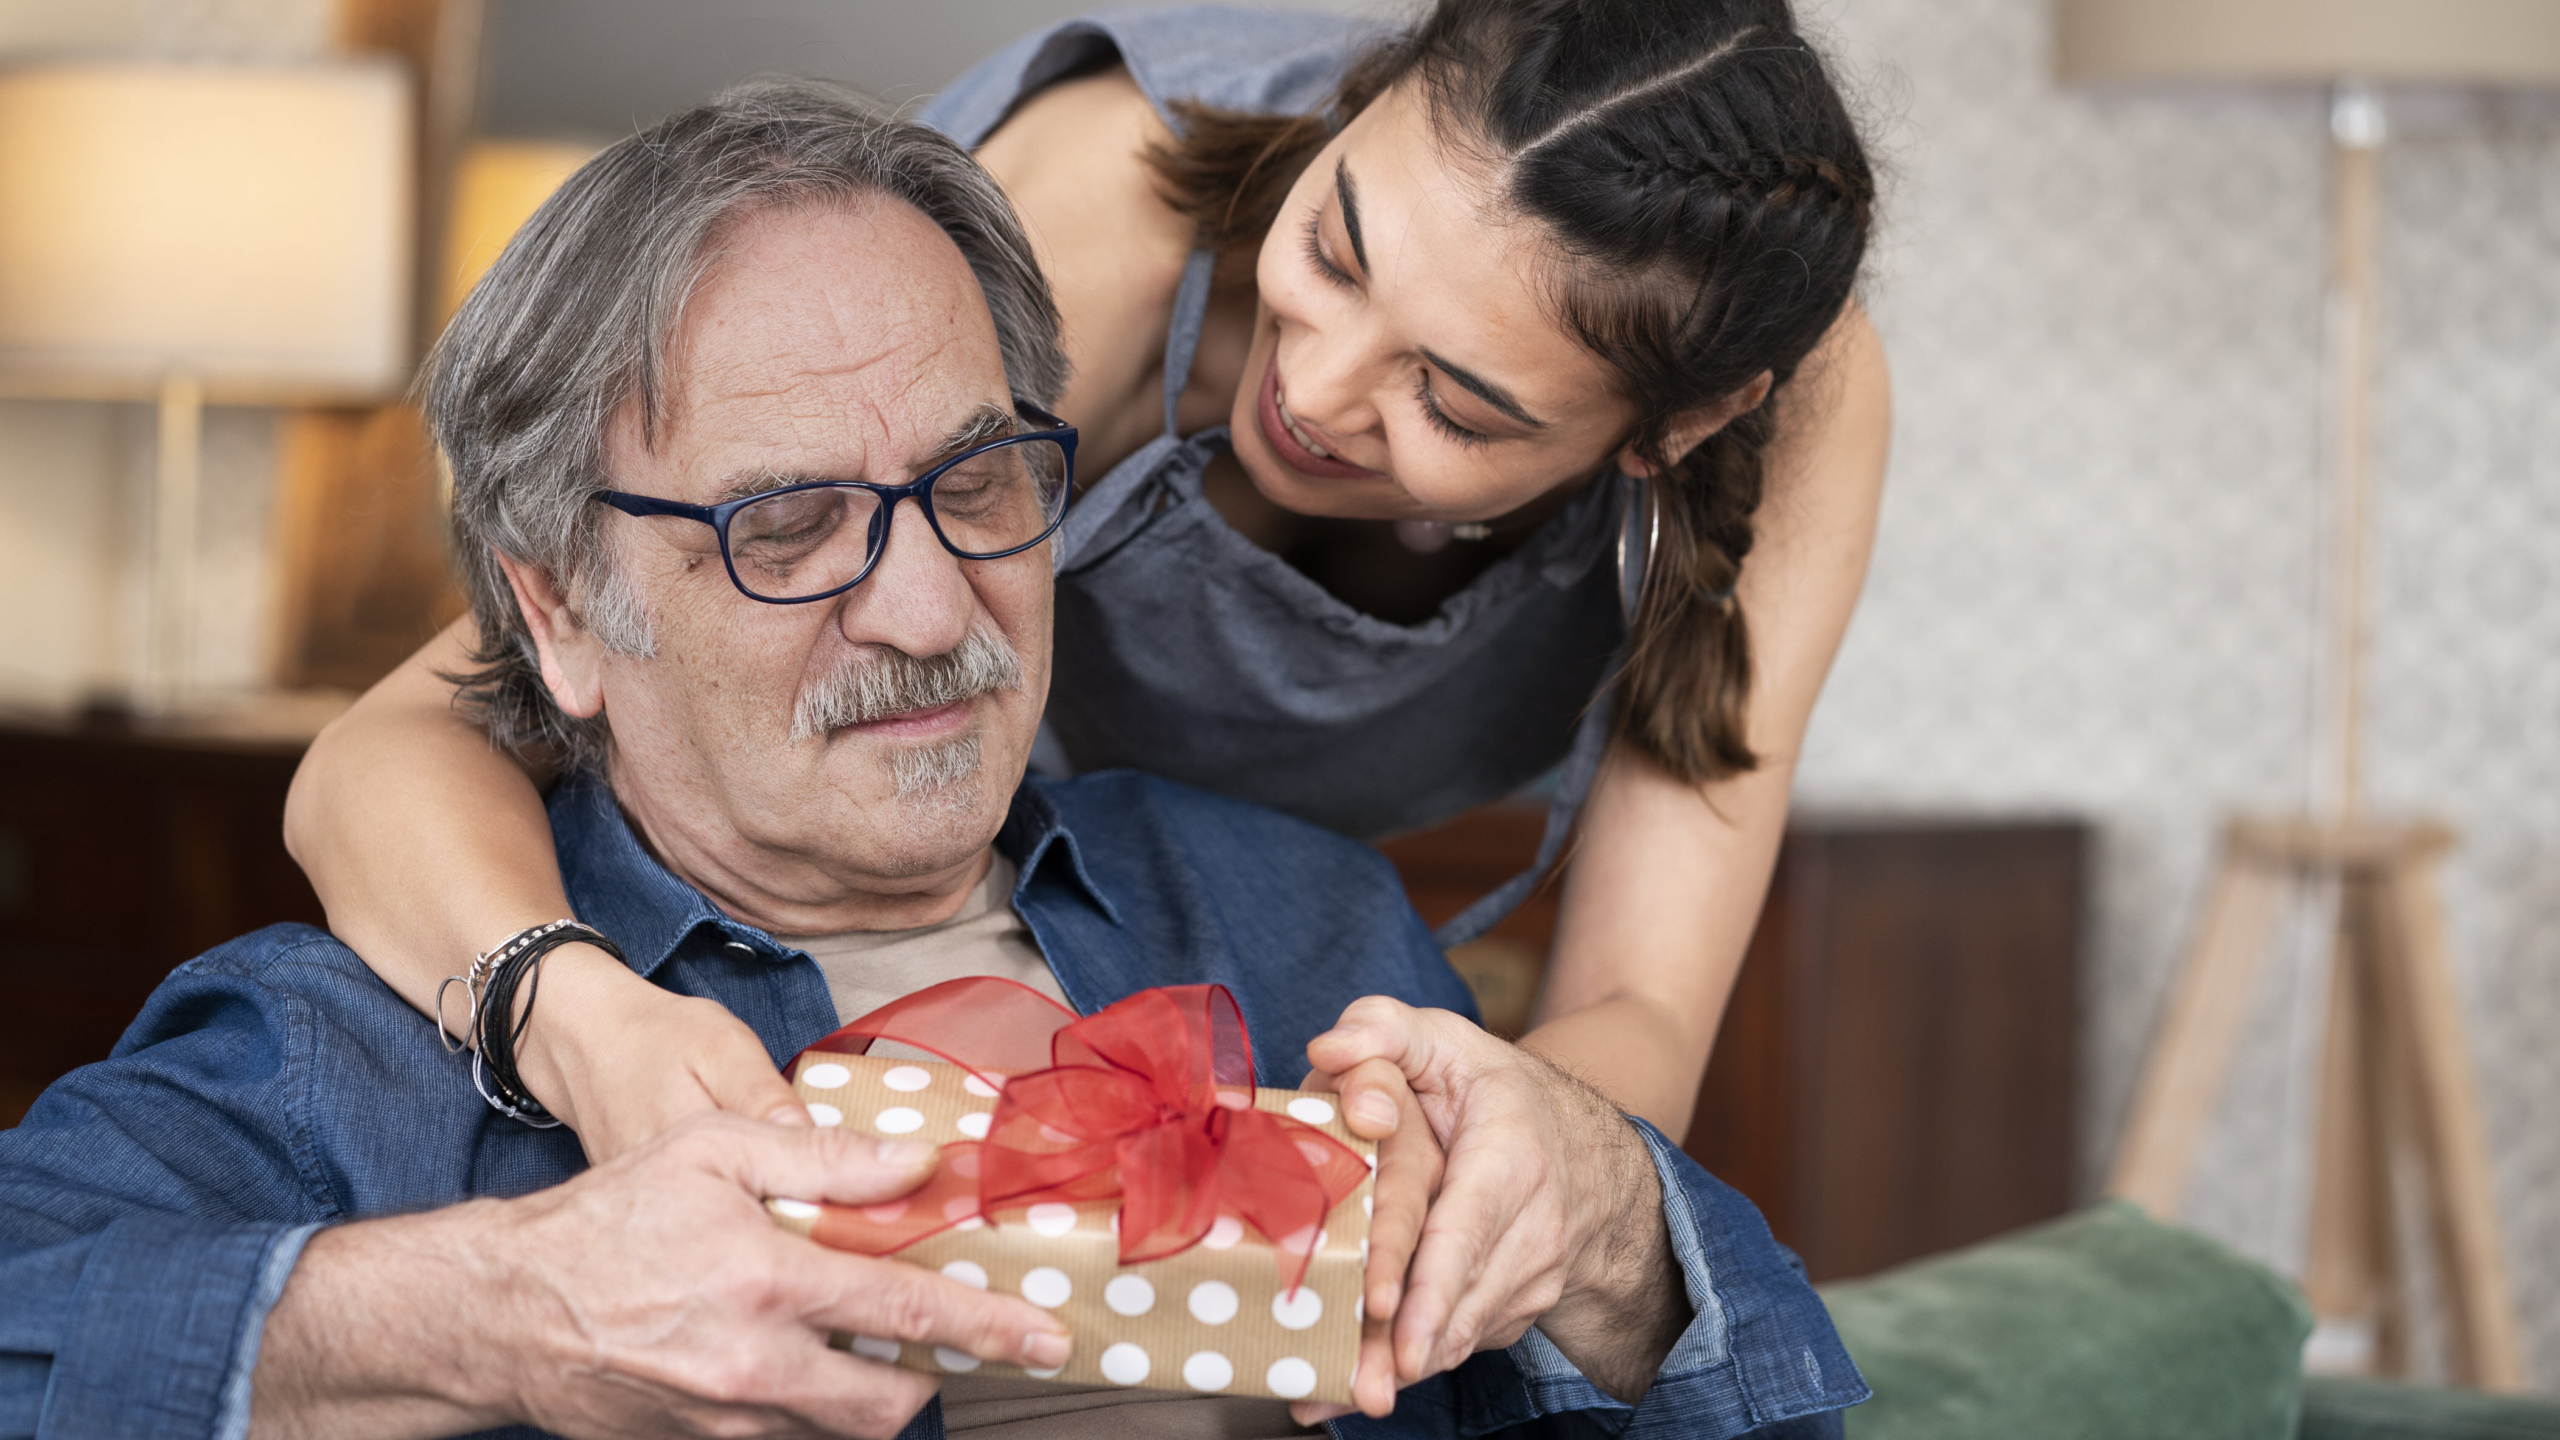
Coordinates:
(806, 542)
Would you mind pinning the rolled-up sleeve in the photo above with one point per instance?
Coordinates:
(152, 1207)
(148, 1328)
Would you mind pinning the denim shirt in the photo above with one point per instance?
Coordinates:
(152, 1205)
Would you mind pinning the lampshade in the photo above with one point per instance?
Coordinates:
(496, 188)
(2451, 42)
(246, 227)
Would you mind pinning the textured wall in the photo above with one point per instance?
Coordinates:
(2099, 583)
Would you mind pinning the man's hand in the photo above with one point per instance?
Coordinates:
(1550, 1211)
(1378, 1105)
(593, 1015)
(651, 1297)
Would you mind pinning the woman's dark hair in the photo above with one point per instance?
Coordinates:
(1705, 187)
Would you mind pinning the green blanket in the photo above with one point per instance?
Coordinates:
(2100, 1326)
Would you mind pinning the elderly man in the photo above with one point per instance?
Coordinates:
(282, 1206)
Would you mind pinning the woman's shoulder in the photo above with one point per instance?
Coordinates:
(1072, 159)
(1282, 61)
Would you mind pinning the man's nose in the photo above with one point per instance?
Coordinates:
(917, 598)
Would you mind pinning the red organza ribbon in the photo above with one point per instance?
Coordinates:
(1150, 1100)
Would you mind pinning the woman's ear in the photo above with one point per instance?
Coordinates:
(1691, 427)
(572, 657)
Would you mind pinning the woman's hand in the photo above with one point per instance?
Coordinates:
(1549, 1208)
(1378, 1105)
(621, 1061)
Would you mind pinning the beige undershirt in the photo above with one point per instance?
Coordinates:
(868, 969)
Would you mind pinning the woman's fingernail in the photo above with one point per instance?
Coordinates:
(1375, 1108)
(1047, 1349)
(903, 1154)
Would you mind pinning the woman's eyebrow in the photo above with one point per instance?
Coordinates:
(1349, 196)
(1492, 394)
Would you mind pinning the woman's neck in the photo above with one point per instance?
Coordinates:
(1361, 562)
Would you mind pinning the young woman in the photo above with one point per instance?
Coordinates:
(1439, 384)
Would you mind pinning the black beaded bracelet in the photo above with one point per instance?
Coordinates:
(494, 1026)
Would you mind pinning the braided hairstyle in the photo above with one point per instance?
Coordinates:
(1705, 189)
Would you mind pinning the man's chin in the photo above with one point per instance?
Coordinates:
(937, 828)
(920, 808)
(937, 771)
(946, 805)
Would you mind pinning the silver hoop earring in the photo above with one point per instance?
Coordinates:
(1631, 577)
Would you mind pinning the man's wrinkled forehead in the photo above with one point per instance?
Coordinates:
(844, 341)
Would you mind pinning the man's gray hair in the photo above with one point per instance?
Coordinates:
(575, 319)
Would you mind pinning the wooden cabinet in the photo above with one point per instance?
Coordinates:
(1896, 1073)
(121, 855)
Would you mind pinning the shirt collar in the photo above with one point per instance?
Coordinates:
(622, 890)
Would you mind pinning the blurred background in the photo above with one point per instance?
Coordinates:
(2097, 621)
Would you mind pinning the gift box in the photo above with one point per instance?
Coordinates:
(1201, 1296)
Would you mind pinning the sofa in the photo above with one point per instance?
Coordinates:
(2107, 1325)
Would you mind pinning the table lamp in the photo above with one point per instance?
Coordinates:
(2396, 1069)
(202, 233)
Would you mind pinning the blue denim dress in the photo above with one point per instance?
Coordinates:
(1186, 650)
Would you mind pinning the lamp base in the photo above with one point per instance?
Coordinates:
(169, 658)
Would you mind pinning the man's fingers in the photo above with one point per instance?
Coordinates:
(893, 1300)
(1477, 1204)
(1373, 1376)
(1501, 1303)
(887, 1299)
(842, 1394)
(837, 1165)
(1431, 1047)
(1410, 1165)
(1372, 1028)
(1374, 1096)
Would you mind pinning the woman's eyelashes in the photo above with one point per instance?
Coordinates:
(1439, 418)
(1321, 262)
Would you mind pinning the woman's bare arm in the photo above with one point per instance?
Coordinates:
(428, 846)
(1667, 878)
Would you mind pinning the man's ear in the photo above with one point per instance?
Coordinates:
(1692, 427)
(572, 657)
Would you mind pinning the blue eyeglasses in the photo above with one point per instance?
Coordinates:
(814, 541)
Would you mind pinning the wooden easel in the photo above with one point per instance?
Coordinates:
(2396, 1079)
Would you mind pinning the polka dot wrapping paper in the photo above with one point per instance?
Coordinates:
(1213, 1318)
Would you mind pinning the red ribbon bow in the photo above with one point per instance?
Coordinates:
(1151, 1100)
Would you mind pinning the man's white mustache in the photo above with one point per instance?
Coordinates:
(879, 682)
